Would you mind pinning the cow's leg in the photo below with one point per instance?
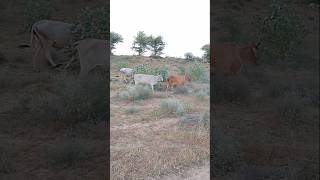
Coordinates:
(152, 88)
(48, 56)
(73, 58)
(35, 66)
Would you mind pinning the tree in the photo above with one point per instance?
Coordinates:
(140, 43)
(115, 38)
(206, 49)
(155, 45)
(188, 56)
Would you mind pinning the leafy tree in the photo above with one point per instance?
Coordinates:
(115, 38)
(155, 45)
(189, 56)
(206, 49)
(140, 43)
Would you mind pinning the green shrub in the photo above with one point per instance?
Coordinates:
(92, 23)
(144, 69)
(163, 71)
(198, 72)
(122, 64)
(182, 70)
(137, 92)
(37, 10)
(171, 106)
(280, 32)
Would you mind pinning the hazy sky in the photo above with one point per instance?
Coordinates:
(183, 24)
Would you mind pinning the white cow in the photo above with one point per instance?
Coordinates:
(126, 72)
(92, 53)
(48, 34)
(147, 79)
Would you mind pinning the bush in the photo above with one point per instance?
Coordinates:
(198, 72)
(163, 71)
(171, 106)
(66, 153)
(232, 26)
(280, 32)
(37, 10)
(95, 23)
(182, 70)
(131, 110)
(144, 69)
(137, 92)
(74, 101)
(202, 95)
(180, 90)
(122, 64)
(230, 89)
(200, 119)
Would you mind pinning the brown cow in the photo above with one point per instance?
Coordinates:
(177, 80)
(227, 58)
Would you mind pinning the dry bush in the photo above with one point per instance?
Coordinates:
(75, 100)
(137, 92)
(171, 106)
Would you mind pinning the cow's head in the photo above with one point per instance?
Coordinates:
(159, 78)
(187, 77)
(251, 53)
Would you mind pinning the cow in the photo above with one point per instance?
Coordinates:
(174, 80)
(147, 79)
(126, 72)
(92, 53)
(46, 35)
(227, 58)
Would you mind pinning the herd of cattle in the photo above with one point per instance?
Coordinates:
(172, 80)
(48, 36)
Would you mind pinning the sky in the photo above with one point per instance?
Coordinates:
(183, 24)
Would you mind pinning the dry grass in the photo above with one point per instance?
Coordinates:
(150, 143)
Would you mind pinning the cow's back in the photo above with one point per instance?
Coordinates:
(92, 53)
(225, 58)
(58, 31)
